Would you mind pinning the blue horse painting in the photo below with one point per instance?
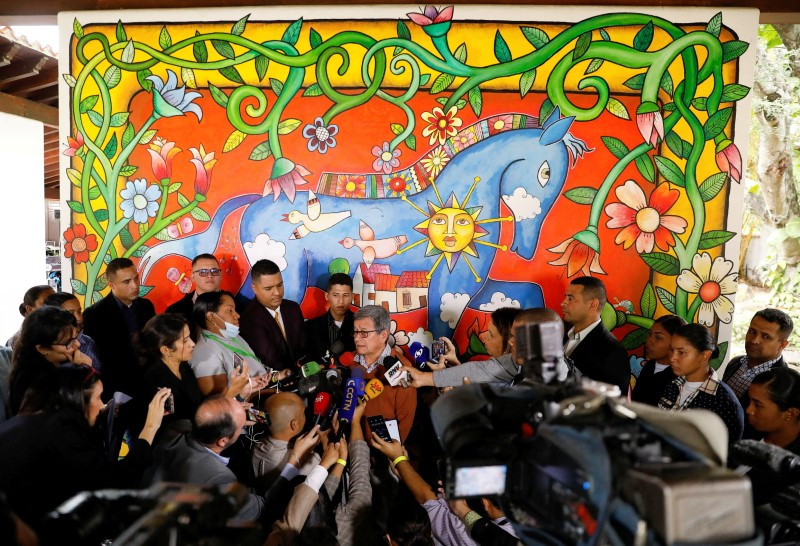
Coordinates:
(412, 241)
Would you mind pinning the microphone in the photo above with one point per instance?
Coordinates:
(322, 404)
(346, 359)
(310, 385)
(310, 368)
(347, 408)
(337, 348)
(373, 389)
(357, 373)
(394, 372)
(758, 454)
(421, 355)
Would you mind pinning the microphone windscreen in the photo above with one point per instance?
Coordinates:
(346, 358)
(373, 389)
(337, 348)
(357, 372)
(390, 361)
(321, 403)
(310, 368)
(311, 385)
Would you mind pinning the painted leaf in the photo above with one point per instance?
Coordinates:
(674, 143)
(107, 259)
(145, 84)
(716, 122)
(119, 119)
(687, 150)
(536, 36)
(142, 229)
(733, 49)
(666, 264)
(112, 76)
(239, 26)
(88, 103)
(143, 290)
(666, 84)
(182, 199)
(635, 82)
(546, 109)
(733, 92)
(582, 195)
(670, 171)
(396, 128)
(476, 346)
(74, 177)
(594, 66)
(617, 108)
(164, 39)
(218, 95)
(234, 139)
(714, 238)
(128, 53)
(700, 103)
(127, 135)
(121, 35)
(232, 74)
(648, 301)
(475, 100)
(200, 215)
(147, 136)
(223, 48)
(200, 50)
(276, 85)
(175, 186)
(187, 74)
(293, 32)
(128, 170)
(163, 235)
(77, 29)
(584, 41)
(77, 206)
(101, 282)
(261, 152)
(70, 79)
(441, 83)
(501, 50)
(461, 53)
(403, 33)
(125, 238)
(712, 185)
(101, 215)
(95, 118)
(287, 126)
(111, 147)
(644, 37)
(715, 363)
(424, 79)
(461, 103)
(645, 166)
(714, 26)
(78, 286)
(615, 146)
(262, 63)
(666, 298)
(634, 339)
(411, 142)
(313, 90)
(315, 39)
(141, 251)
(605, 35)
(526, 81)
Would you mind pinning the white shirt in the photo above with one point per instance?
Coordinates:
(687, 390)
(574, 338)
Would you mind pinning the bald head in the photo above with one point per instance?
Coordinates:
(218, 422)
(286, 414)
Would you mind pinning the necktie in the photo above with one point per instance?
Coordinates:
(280, 325)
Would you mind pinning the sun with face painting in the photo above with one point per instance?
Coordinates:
(452, 230)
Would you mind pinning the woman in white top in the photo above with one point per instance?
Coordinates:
(220, 349)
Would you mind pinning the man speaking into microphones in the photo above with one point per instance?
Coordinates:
(373, 357)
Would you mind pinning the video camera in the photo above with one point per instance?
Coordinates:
(572, 463)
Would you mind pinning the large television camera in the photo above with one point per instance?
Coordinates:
(573, 463)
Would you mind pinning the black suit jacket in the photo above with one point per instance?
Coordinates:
(184, 307)
(318, 335)
(105, 323)
(264, 336)
(602, 358)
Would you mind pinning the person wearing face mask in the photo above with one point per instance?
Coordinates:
(220, 350)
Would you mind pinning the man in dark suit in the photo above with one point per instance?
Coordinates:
(594, 350)
(113, 321)
(766, 338)
(271, 325)
(335, 325)
(207, 277)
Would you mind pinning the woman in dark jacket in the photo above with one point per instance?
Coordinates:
(656, 372)
(50, 451)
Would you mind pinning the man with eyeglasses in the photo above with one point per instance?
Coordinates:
(113, 322)
(371, 326)
(207, 277)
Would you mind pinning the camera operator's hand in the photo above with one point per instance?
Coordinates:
(450, 355)
(155, 414)
(303, 446)
(418, 378)
(392, 450)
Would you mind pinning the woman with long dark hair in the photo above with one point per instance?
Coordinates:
(774, 408)
(656, 372)
(50, 451)
(697, 385)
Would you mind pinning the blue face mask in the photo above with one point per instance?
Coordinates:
(230, 331)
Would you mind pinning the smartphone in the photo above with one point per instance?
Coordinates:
(378, 425)
(238, 361)
(258, 416)
(438, 348)
(169, 404)
(394, 430)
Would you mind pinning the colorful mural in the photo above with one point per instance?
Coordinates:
(451, 162)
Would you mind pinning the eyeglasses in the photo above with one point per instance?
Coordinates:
(213, 272)
(363, 333)
(71, 341)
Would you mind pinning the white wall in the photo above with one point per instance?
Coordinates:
(21, 215)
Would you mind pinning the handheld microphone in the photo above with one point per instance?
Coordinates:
(337, 348)
(311, 385)
(758, 454)
(346, 359)
(394, 372)
(373, 389)
(357, 373)
(310, 368)
(347, 408)
(322, 404)
(421, 355)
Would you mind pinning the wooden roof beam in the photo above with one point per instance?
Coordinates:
(28, 109)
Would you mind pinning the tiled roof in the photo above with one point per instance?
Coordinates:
(413, 279)
(385, 282)
(369, 273)
(9, 34)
